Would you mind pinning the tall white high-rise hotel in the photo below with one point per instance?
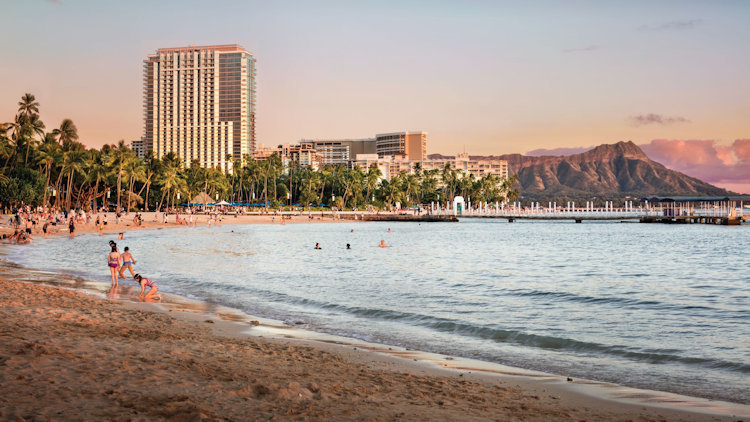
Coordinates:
(199, 103)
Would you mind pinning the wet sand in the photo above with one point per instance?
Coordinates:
(69, 356)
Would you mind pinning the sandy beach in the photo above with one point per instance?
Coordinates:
(153, 220)
(66, 355)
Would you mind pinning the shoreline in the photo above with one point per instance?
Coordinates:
(616, 401)
(152, 221)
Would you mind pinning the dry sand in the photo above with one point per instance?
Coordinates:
(153, 220)
(68, 356)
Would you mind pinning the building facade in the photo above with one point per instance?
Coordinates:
(139, 148)
(199, 103)
(393, 165)
(478, 168)
(412, 145)
(302, 154)
(340, 151)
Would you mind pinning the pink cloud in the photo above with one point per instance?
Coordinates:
(724, 165)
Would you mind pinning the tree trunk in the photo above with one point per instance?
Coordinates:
(119, 187)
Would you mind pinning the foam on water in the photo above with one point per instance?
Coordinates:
(650, 306)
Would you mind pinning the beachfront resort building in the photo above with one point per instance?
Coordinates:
(302, 154)
(392, 153)
(393, 165)
(139, 148)
(339, 151)
(199, 103)
(409, 145)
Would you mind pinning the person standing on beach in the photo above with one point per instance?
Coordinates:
(127, 262)
(72, 227)
(45, 228)
(113, 261)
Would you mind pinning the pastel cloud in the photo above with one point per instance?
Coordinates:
(723, 165)
(657, 119)
(673, 25)
(581, 49)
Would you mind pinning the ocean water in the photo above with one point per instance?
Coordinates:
(662, 307)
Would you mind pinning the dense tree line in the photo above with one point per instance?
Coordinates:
(52, 167)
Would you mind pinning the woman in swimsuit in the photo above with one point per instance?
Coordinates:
(145, 282)
(127, 262)
(113, 260)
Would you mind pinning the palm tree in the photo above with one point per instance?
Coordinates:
(74, 163)
(450, 180)
(411, 186)
(429, 185)
(47, 155)
(152, 166)
(391, 191)
(27, 128)
(117, 159)
(7, 146)
(66, 133)
(28, 105)
(508, 189)
(371, 180)
(134, 171)
(170, 179)
(96, 171)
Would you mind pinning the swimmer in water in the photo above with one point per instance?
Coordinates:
(383, 244)
(348, 246)
(317, 246)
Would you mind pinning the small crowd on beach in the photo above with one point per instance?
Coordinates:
(119, 262)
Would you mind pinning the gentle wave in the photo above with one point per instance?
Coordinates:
(622, 302)
(496, 334)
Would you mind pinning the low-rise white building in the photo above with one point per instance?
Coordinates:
(393, 165)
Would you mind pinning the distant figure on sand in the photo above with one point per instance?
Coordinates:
(127, 262)
(317, 246)
(45, 228)
(153, 287)
(113, 260)
(72, 227)
(383, 244)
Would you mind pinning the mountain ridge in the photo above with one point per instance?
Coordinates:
(608, 170)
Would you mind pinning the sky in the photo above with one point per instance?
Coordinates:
(487, 77)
